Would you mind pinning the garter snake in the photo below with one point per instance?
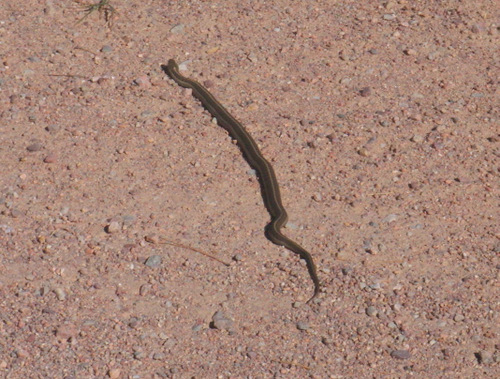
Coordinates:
(267, 177)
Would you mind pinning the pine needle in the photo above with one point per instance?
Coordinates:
(167, 242)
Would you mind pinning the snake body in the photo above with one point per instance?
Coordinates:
(267, 178)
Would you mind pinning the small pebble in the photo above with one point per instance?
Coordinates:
(433, 56)
(51, 158)
(142, 81)
(113, 227)
(146, 115)
(15, 213)
(114, 373)
(53, 128)
(145, 289)
(346, 270)
(363, 152)
(252, 57)
(152, 238)
(208, 83)
(61, 295)
(371, 311)
(197, 327)
(44, 290)
(327, 340)
(478, 28)
(390, 218)
(365, 92)
(417, 138)
(128, 220)
(35, 147)
(441, 128)
(317, 197)
(177, 29)
(415, 185)
(484, 357)
(65, 332)
(133, 323)
(21, 353)
(397, 307)
(183, 65)
(138, 354)
(153, 261)
(221, 322)
(159, 356)
(400, 354)
(107, 49)
(213, 49)
(301, 325)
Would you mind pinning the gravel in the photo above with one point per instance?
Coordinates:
(380, 120)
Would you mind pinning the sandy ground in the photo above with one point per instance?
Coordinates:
(381, 121)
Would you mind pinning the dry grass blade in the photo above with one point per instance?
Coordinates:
(167, 242)
(103, 7)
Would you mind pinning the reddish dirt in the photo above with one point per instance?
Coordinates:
(381, 121)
